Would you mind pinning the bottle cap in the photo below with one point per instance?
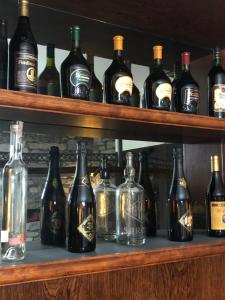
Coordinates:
(217, 53)
(118, 42)
(215, 165)
(157, 52)
(185, 58)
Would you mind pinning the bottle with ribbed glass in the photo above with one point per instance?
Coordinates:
(135, 97)
(23, 54)
(14, 196)
(3, 54)
(105, 196)
(96, 90)
(48, 81)
(130, 208)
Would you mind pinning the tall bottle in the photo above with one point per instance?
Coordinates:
(180, 221)
(135, 98)
(3, 54)
(75, 71)
(216, 201)
(81, 207)
(14, 196)
(157, 86)
(48, 81)
(118, 80)
(176, 78)
(23, 54)
(130, 208)
(105, 195)
(150, 205)
(96, 90)
(53, 208)
(187, 89)
(216, 87)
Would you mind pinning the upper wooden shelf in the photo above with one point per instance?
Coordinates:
(88, 119)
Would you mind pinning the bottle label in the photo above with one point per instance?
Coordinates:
(124, 84)
(4, 236)
(217, 215)
(162, 94)
(26, 71)
(80, 81)
(186, 221)
(121, 88)
(87, 228)
(164, 90)
(190, 99)
(218, 95)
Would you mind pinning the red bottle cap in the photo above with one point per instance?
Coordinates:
(185, 58)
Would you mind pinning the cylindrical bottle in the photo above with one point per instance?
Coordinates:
(216, 201)
(14, 204)
(3, 54)
(53, 209)
(23, 54)
(81, 207)
(180, 220)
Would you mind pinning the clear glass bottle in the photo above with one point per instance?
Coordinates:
(105, 196)
(130, 208)
(14, 195)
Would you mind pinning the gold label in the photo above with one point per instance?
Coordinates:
(218, 95)
(87, 228)
(164, 90)
(186, 220)
(124, 84)
(182, 182)
(217, 215)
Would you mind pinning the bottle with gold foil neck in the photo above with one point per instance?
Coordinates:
(157, 86)
(118, 80)
(216, 201)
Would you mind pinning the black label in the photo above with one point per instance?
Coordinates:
(189, 99)
(80, 81)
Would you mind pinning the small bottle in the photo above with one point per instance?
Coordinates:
(14, 204)
(75, 71)
(179, 203)
(48, 81)
(176, 77)
(157, 86)
(216, 201)
(130, 208)
(81, 207)
(118, 80)
(3, 54)
(53, 209)
(105, 195)
(96, 90)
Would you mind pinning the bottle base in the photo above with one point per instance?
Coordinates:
(107, 237)
(130, 241)
(13, 253)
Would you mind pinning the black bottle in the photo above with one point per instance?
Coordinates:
(3, 54)
(180, 220)
(176, 78)
(96, 90)
(81, 207)
(53, 210)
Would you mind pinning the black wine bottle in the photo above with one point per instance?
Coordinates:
(157, 86)
(150, 205)
(180, 221)
(216, 201)
(135, 97)
(81, 207)
(118, 80)
(176, 78)
(75, 71)
(216, 87)
(48, 81)
(3, 54)
(53, 210)
(23, 54)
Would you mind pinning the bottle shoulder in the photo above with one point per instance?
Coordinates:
(105, 186)
(117, 66)
(130, 185)
(157, 74)
(49, 74)
(186, 79)
(74, 58)
(216, 70)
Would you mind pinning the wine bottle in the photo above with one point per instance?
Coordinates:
(135, 98)
(216, 201)
(118, 80)
(48, 81)
(176, 77)
(14, 204)
(96, 90)
(179, 203)
(3, 54)
(82, 207)
(53, 207)
(75, 71)
(216, 87)
(157, 86)
(23, 54)
(187, 89)
(150, 205)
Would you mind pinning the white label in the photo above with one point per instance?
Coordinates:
(124, 84)
(218, 93)
(164, 90)
(4, 236)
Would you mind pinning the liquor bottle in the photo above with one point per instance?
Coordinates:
(216, 87)
(157, 86)
(3, 54)
(187, 89)
(96, 90)
(135, 98)
(105, 196)
(23, 54)
(81, 207)
(179, 203)
(118, 80)
(75, 71)
(48, 81)
(216, 201)
(130, 208)
(14, 204)
(176, 77)
(53, 208)
(150, 205)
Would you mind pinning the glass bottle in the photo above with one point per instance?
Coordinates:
(135, 97)
(130, 208)
(105, 196)
(14, 195)
(96, 90)
(176, 77)
(3, 54)
(53, 209)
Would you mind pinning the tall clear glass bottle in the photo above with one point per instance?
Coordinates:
(14, 195)
(130, 208)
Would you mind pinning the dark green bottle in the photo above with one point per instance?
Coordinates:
(48, 81)
(3, 54)
(96, 90)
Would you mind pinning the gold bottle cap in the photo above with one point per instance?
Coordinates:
(157, 52)
(215, 165)
(24, 8)
(118, 42)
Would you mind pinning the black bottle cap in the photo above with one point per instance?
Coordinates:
(104, 173)
(54, 151)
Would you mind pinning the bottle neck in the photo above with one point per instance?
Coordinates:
(76, 45)
(3, 29)
(118, 55)
(186, 67)
(178, 168)
(217, 61)
(81, 167)
(53, 170)
(15, 145)
(24, 9)
(143, 166)
(158, 62)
